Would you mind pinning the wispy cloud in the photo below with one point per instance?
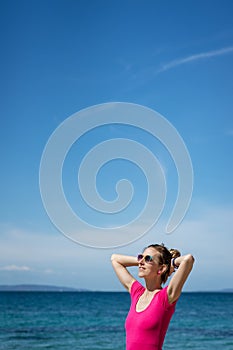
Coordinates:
(15, 268)
(203, 230)
(48, 271)
(195, 57)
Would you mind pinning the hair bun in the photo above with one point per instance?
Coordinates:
(175, 253)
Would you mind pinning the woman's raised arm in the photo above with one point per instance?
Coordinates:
(184, 265)
(120, 264)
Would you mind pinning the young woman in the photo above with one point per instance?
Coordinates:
(151, 306)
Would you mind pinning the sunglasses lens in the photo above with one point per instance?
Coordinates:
(140, 257)
(148, 258)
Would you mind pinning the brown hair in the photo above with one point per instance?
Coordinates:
(165, 258)
(175, 253)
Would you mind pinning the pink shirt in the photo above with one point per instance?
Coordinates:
(145, 330)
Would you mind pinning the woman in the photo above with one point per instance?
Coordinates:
(151, 306)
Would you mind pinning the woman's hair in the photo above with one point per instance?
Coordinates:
(175, 253)
(165, 258)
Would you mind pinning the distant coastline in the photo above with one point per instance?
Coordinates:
(52, 288)
(38, 288)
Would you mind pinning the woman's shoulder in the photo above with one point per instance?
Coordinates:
(136, 288)
(163, 298)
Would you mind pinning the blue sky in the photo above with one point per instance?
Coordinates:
(59, 57)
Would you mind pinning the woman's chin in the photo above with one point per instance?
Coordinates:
(141, 273)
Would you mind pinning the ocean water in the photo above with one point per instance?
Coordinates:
(94, 321)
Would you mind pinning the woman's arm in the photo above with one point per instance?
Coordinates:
(184, 265)
(120, 264)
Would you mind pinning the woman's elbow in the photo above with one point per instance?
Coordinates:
(189, 258)
(113, 257)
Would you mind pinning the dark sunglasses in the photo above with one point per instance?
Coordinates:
(147, 258)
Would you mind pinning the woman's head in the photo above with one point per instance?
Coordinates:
(162, 258)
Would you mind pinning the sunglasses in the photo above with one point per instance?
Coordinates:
(147, 258)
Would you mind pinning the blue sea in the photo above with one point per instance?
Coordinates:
(95, 320)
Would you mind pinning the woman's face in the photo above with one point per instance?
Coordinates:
(148, 268)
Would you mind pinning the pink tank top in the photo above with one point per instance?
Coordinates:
(146, 330)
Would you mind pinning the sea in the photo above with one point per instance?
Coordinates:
(95, 321)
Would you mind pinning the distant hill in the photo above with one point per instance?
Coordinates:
(50, 288)
(37, 288)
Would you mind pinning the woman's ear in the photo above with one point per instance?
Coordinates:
(163, 269)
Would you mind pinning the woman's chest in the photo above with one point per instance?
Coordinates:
(146, 320)
(144, 301)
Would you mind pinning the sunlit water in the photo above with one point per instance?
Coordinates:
(94, 321)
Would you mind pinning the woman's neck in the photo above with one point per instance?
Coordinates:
(152, 285)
